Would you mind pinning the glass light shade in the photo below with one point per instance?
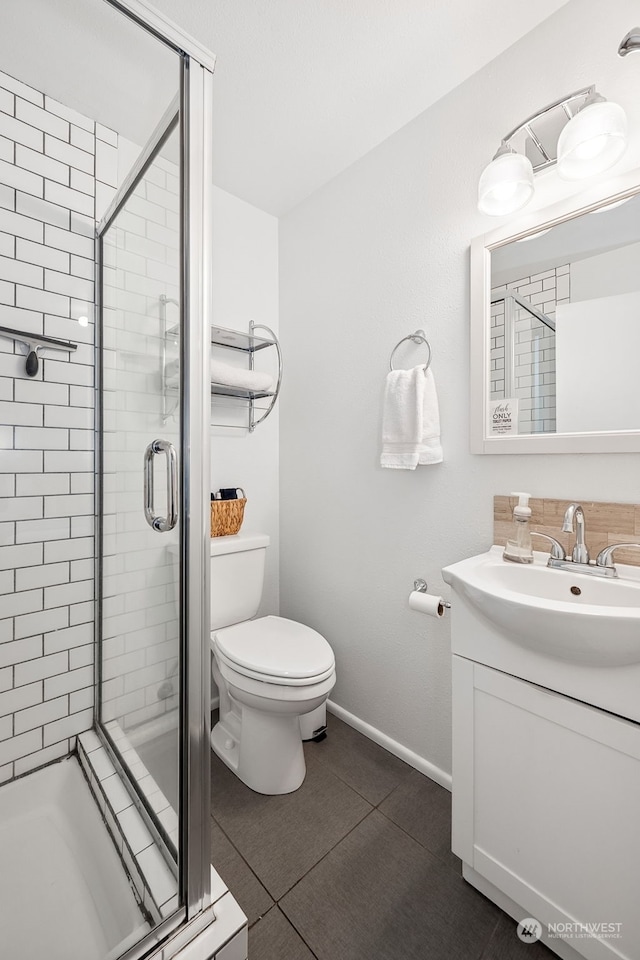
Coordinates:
(506, 185)
(592, 141)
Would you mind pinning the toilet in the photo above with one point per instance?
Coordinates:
(270, 671)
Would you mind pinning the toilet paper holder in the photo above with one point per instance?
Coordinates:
(421, 586)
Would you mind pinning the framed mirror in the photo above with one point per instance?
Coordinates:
(555, 328)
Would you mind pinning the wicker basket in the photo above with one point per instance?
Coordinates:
(226, 517)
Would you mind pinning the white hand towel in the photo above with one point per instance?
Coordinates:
(402, 419)
(430, 448)
(237, 377)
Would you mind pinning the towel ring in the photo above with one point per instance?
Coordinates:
(418, 337)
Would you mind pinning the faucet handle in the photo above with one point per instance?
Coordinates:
(557, 550)
(604, 557)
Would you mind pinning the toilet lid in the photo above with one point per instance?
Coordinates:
(276, 647)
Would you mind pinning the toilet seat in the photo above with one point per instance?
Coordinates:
(275, 650)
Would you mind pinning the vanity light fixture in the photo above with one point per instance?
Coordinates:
(506, 184)
(630, 43)
(593, 140)
(582, 133)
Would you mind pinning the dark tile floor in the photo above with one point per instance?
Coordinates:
(355, 865)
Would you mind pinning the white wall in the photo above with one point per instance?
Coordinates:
(597, 350)
(377, 252)
(606, 275)
(245, 287)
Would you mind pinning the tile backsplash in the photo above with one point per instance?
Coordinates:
(606, 523)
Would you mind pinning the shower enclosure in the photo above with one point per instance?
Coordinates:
(127, 787)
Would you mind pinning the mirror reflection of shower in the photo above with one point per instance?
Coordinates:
(522, 359)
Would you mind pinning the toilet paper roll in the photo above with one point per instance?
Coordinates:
(426, 603)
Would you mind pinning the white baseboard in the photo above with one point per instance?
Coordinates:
(215, 703)
(397, 749)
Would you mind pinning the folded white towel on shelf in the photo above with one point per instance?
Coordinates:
(410, 420)
(230, 376)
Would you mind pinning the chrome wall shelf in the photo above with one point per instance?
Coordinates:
(249, 344)
(245, 343)
(222, 390)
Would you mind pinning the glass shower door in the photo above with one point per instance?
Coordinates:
(152, 477)
(140, 649)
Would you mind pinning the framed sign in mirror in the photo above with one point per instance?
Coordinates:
(555, 328)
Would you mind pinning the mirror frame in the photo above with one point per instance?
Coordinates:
(619, 441)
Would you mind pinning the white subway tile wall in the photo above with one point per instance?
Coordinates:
(49, 167)
(535, 353)
(141, 624)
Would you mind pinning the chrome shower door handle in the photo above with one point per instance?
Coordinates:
(161, 524)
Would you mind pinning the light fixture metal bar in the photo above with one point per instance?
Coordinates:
(584, 92)
(536, 139)
(565, 107)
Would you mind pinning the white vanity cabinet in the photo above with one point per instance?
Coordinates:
(546, 808)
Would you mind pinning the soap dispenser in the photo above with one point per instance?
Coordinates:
(519, 547)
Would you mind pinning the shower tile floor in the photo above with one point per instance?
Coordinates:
(354, 865)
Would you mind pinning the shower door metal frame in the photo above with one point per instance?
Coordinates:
(195, 118)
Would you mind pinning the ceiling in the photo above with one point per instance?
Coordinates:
(303, 88)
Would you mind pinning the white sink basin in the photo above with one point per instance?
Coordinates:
(572, 617)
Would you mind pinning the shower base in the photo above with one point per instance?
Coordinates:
(64, 894)
(157, 744)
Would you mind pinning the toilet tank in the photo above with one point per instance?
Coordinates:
(237, 576)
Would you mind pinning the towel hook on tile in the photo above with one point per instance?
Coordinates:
(32, 343)
(418, 337)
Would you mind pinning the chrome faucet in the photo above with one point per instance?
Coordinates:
(580, 562)
(574, 519)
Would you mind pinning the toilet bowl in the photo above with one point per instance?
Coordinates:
(269, 671)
